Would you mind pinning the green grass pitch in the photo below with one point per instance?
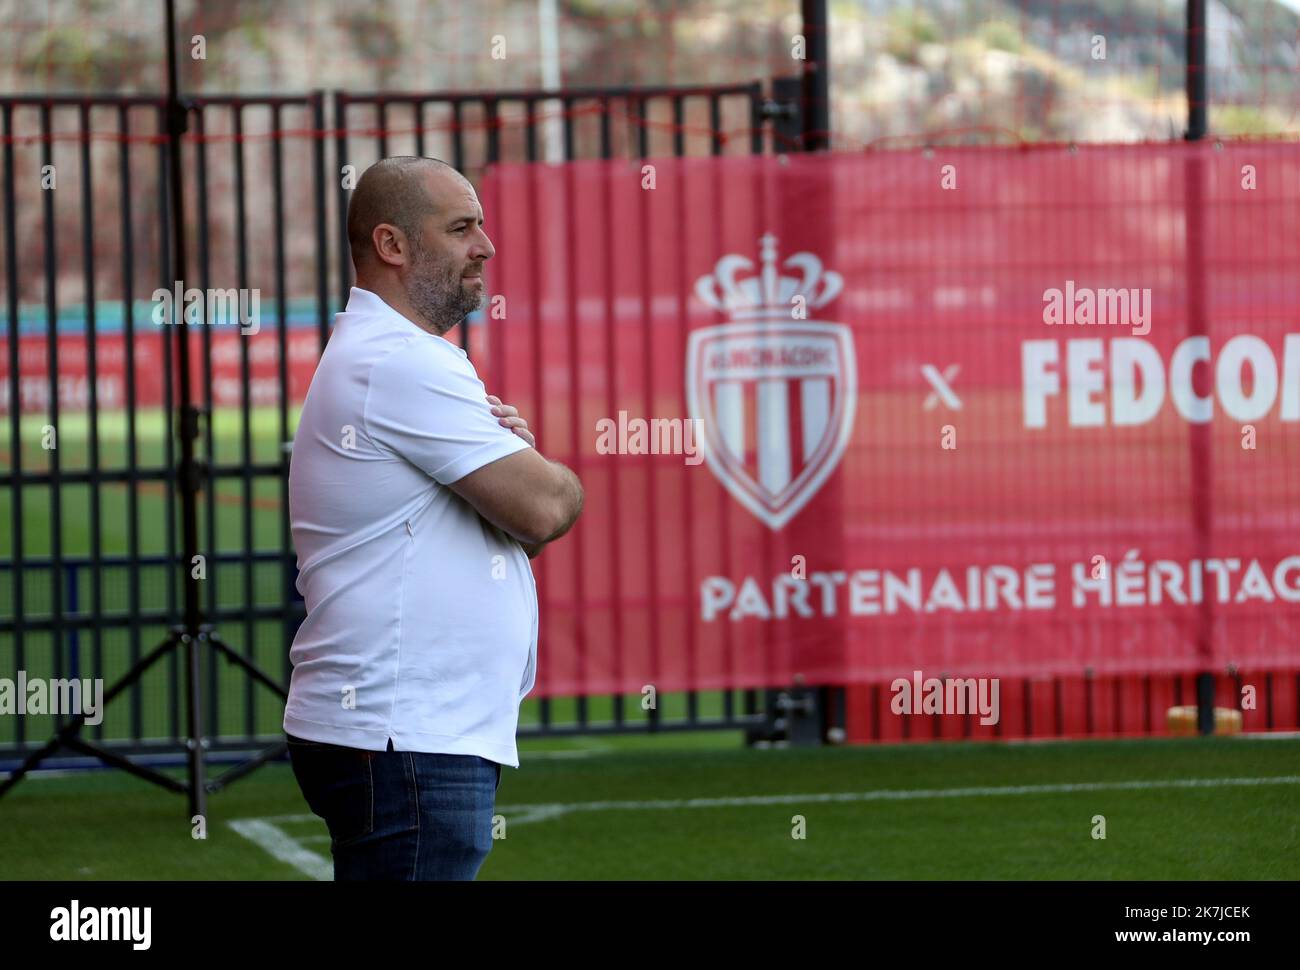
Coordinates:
(701, 806)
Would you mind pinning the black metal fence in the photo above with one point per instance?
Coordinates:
(91, 576)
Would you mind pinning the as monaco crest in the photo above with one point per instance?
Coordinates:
(775, 395)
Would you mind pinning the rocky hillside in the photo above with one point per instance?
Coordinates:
(992, 68)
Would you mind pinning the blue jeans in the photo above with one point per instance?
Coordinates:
(399, 814)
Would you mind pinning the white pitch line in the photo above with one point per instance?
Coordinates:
(306, 817)
(533, 813)
(540, 812)
(266, 836)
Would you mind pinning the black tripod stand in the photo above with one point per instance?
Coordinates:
(192, 635)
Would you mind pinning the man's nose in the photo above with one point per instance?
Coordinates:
(483, 249)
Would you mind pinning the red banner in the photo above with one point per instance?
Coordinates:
(153, 346)
(973, 412)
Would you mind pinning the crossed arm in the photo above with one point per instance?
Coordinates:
(572, 500)
(523, 494)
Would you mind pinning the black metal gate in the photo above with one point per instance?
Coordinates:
(92, 572)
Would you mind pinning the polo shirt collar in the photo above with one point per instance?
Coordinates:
(368, 302)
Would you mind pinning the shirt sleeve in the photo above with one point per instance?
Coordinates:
(427, 405)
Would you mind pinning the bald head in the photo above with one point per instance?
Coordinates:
(394, 191)
(416, 232)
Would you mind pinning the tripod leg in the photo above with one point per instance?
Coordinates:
(198, 781)
(253, 670)
(67, 735)
(33, 759)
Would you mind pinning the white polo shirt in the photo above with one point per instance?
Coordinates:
(421, 616)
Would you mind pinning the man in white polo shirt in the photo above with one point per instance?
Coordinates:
(416, 502)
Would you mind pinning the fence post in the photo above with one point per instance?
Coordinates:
(1201, 443)
(188, 479)
(816, 79)
(1198, 109)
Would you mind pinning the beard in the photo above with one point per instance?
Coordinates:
(437, 292)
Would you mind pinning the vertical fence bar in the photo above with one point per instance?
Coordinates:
(755, 94)
(132, 447)
(282, 375)
(1088, 725)
(1146, 704)
(816, 80)
(538, 374)
(492, 118)
(580, 608)
(683, 315)
(213, 583)
(567, 107)
(92, 377)
(52, 363)
(188, 478)
(1202, 442)
(616, 572)
(1058, 714)
(457, 141)
(544, 705)
(15, 410)
(724, 514)
(74, 634)
(340, 160)
(571, 316)
(530, 133)
(169, 274)
(679, 129)
(322, 233)
(756, 147)
(765, 221)
(417, 109)
(245, 407)
(642, 128)
(647, 357)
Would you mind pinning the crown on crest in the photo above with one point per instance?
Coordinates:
(768, 295)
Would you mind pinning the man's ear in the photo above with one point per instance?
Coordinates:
(390, 244)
